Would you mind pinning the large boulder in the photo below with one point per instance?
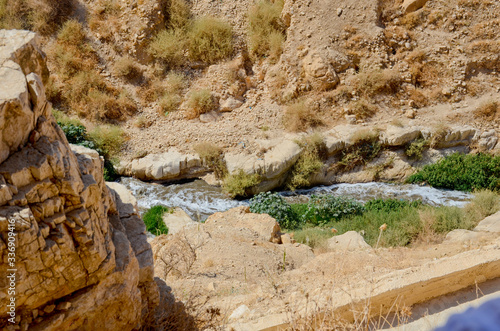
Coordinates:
(170, 165)
(82, 258)
(319, 71)
(489, 224)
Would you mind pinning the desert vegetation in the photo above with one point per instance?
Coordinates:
(406, 222)
(153, 218)
(462, 172)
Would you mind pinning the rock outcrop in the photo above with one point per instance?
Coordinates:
(82, 261)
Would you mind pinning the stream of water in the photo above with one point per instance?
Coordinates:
(200, 200)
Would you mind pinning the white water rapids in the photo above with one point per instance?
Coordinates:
(200, 200)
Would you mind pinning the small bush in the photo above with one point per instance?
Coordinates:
(169, 103)
(309, 162)
(362, 109)
(200, 102)
(266, 30)
(127, 68)
(462, 172)
(487, 110)
(210, 40)
(276, 206)
(109, 139)
(300, 117)
(239, 184)
(71, 33)
(153, 218)
(484, 204)
(365, 147)
(323, 209)
(415, 148)
(375, 82)
(213, 156)
(169, 45)
(42, 16)
(178, 15)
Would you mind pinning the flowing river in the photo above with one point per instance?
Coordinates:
(200, 200)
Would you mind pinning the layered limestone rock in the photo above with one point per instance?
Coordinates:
(82, 260)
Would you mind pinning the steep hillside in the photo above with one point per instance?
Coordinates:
(176, 73)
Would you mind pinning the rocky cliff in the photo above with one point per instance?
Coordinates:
(80, 255)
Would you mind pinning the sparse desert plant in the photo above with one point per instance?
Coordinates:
(415, 148)
(309, 162)
(374, 82)
(169, 45)
(266, 30)
(487, 110)
(299, 116)
(200, 102)
(176, 82)
(109, 139)
(153, 218)
(42, 16)
(365, 147)
(213, 156)
(362, 109)
(178, 15)
(323, 209)
(169, 103)
(484, 204)
(239, 183)
(71, 33)
(210, 40)
(127, 68)
(439, 134)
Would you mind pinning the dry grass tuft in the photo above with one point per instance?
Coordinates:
(266, 30)
(210, 40)
(127, 68)
(213, 157)
(299, 116)
(199, 102)
(362, 109)
(488, 110)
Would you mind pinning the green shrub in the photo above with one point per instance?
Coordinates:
(109, 139)
(415, 148)
(323, 209)
(450, 218)
(403, 226)
(266, 30)
(238, 184)
(462, 172)
(276, 206)
(309, 162)
(387, 205)
(153, 218)
(210, 40)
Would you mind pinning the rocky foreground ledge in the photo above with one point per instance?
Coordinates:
(80, 256)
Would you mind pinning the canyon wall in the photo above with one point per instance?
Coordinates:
(79, 255)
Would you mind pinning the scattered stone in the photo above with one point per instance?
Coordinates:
(64, 305)
(230, 104)
(348, 241)
(49, 308)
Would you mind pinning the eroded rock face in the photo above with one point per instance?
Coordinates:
(82, 258)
